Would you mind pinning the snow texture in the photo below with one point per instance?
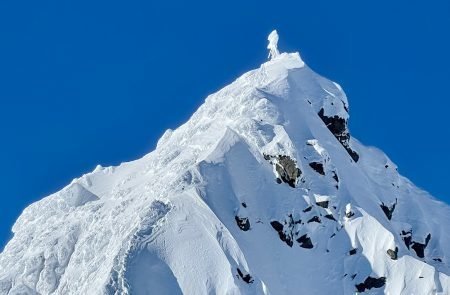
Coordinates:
(208, 211)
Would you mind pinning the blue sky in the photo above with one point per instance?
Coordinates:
(97, 82)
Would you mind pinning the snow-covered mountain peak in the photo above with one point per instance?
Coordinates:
(262, 191)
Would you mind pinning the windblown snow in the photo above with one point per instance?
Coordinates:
(262, 191)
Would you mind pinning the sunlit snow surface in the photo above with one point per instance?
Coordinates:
(167, 223)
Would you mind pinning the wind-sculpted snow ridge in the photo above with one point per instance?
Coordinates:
(262, 191)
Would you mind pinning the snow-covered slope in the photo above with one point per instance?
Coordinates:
(262, 191)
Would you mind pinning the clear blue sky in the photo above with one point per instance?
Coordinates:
(97, 82)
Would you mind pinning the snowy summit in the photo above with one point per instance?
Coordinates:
(262, 191)
(273, 44)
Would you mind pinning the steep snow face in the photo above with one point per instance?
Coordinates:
(262, 191)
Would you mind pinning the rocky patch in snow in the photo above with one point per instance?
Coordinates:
(314, 219)
(370, 283)
(245, 277)
(318, 167)
(388, 210)
(393, 254)
(406, 237)
(419, 248)
(285, 235)
(348, 211)
(335, 177)
(286, 169)
(323, 204)
(305, 242)
(338, 126)
(243, 223)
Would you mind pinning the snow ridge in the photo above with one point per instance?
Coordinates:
(262, 191)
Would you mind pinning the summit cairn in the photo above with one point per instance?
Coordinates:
(273, 44)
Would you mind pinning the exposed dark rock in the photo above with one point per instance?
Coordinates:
(287, 169)
(277, 225)
(307, 209)
(388, 210)
(352, 251)
(330, 217)
(370, 283)
(407, 241)
(349, 214)
(345, 106)
(243, 223)
(353, 276)
(246, 278)
(352, 153)
(335, 176)
(407, 238)
(437, 259)
(419, 248)
(291, 219)
(305, 242)
(244, 205)
(314, 219)
(279, 228)
(338, 126)
(318, 167)
(392, 253)
(323, 204)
